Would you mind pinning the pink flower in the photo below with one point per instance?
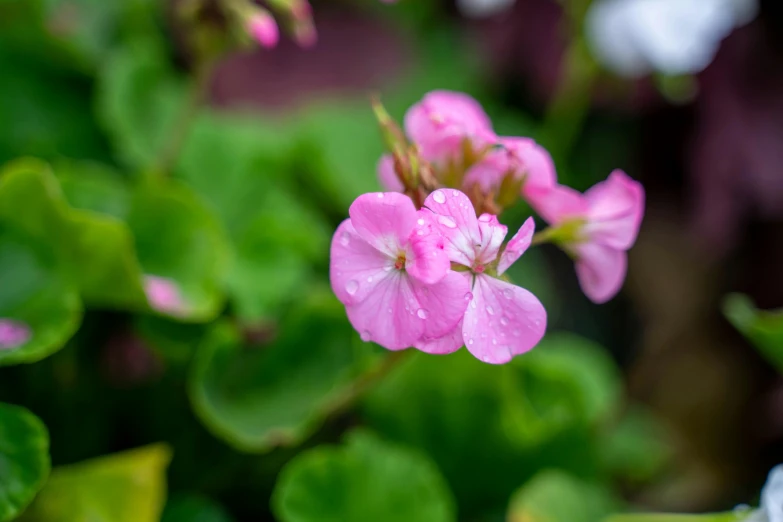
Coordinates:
(390, 270)
(13, 334)
(522, 158)
(599, 227)
(441, 122)
(164, 295)
(502, 320)
(263, 28)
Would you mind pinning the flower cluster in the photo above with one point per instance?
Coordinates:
(423, 264)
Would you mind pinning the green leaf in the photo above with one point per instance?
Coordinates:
(666, 517)
(256, 398)
(636, 448)
(490, 428)
(124, 487)
(763, 328)
(24, 459)
(276, 236)
(193, 509)
(178, 237)
(554, 496)
(35, 293)
(138, 101)
(97, 250)
(566, 380)
(367, 479)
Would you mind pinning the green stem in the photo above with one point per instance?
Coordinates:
(568, 109)
(366, 381)
(171, 148)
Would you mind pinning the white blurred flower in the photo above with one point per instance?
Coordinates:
(772, 495)
(483, 8)
(636, 37)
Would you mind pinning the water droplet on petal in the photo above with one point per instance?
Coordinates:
(351, 286)
(345, 238)
(504, 320)
(468, 296)
(507, 293)
(538, 322)
(420, 221)
(485, 358)
(484, 218)
(369, 279)
(446, 221)
(380, 195)
(490, 310)
(473, 304)
(454, 193)
(422, 313)
(470, 341)
(439, 196)
(365, 335)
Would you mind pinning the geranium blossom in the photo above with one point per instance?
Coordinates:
(596, 228)
(390, 270)
(13, 334)
(502, 319)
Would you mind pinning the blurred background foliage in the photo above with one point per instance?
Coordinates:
(114, 170)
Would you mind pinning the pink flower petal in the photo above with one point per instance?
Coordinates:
(517, 246)
(492, 236)
(451, 342)
(387, 176)
(389, 314)
(502, 320)
(441, 120)
(615, 210)
(556, 204)
(601, 270)
(443, 304)
(13, 334)
(536, 163)
(457, 222)
(355, 266)
(164, 295)
(426, 259)
(384, 219)
(489, 172)
(263, 29)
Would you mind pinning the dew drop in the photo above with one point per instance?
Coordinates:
(484, 218)
(473, 304)
(380, 195)
(351, 286)
(470, 341)
(345, 238)
(538, 323)
(369, 279)
(365, 336)
(490, 310)
(485, 358)
(454, 193)
(468, 296)
(420, 221)
(504, 320)
(422, 313)
(507, 293)
(446, 221)
(439, 197)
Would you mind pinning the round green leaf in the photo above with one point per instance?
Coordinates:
(194, 509)
(367, 479)
(124, 487)
(256, 398)
(35, 293)
(24, 459)
(555, 496)
(138, 101)
(95, 249)
(178, 237)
